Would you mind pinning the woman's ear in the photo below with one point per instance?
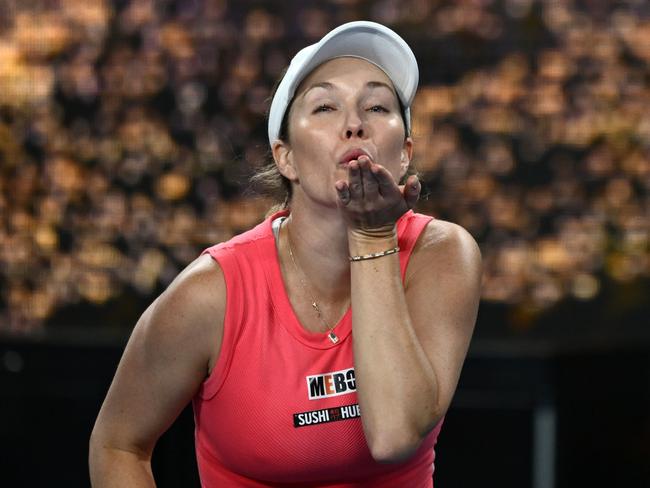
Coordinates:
(283, 156)
(406, 156)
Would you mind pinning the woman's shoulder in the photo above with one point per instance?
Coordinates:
(201, 284)
(438, 233)
(443, 241)
(189, 314)
(197, 292)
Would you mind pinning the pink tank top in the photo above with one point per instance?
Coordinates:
(280, 407)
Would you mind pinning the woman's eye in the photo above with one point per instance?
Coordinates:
(323, 108)
(378, 108)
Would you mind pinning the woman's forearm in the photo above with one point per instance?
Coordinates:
(396, 384)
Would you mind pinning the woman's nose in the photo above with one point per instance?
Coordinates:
(354, 126)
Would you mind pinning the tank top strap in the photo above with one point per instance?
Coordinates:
(409, 227)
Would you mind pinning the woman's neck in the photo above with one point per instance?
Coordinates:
(319, 243)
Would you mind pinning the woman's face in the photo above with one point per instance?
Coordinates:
(346, 106)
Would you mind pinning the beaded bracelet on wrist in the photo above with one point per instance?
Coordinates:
(374, 255)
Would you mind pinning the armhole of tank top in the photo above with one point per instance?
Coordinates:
(231, 324)
(413, 229)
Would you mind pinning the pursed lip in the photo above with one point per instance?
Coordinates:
(351, 155)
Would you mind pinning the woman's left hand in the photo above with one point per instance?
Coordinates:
(371, 200)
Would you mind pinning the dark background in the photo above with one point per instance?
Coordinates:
(598, 395)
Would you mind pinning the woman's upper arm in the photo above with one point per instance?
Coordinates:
(168, 356)
(443, 283)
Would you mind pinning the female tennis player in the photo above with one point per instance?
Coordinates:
(323, 347)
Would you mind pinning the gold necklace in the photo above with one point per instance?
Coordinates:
(331, 335)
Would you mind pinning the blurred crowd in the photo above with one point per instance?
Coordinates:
(129, 128)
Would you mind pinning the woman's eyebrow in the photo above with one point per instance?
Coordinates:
(330, 86)
(379, 84)
(323, 84)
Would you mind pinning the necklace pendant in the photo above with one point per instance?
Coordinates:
(333, 337)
